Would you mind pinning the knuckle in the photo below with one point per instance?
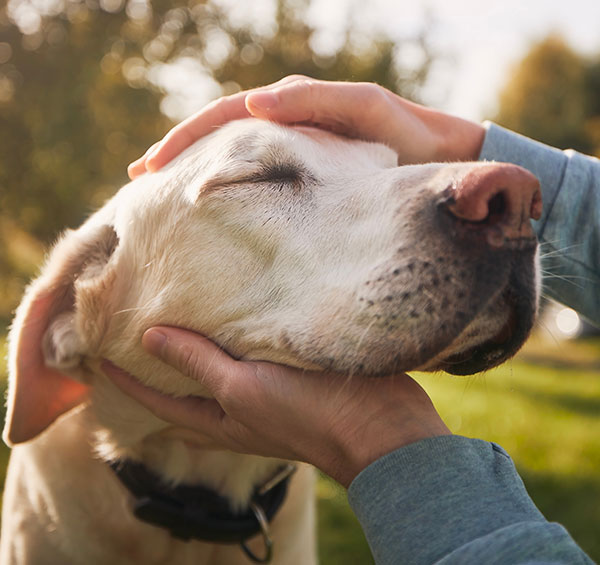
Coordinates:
(235, 387)
(230, 384)
(219, 103)
(220, 108)
(293, 78)
(372, 92)
(306, 92)
(187, 361)
(301, 84)
(224, 389)
(375, 101)
(308, 84)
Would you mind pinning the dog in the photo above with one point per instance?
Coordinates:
(286, 244)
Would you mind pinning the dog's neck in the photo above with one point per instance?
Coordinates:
(201, 514)
(124, 430)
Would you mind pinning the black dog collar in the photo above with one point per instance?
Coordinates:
(197, 512)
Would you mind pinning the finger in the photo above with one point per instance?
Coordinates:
(328, 104)
(213, 115)
(184, 134)
(200, 414)
(195, 356)
(138, 167)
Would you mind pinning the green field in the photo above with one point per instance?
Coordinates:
(543, 408)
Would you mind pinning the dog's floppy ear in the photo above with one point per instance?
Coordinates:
(46, 338)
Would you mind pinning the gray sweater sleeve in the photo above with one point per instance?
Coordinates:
(569, 230)
(451, 500)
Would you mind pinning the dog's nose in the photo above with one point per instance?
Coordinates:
(497, 198)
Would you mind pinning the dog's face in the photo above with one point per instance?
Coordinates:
(296, 246)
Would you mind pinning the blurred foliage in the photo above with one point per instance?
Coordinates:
(554, 97)
(80, 97)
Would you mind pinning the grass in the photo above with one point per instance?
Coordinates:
(340, 537)
(543, 408)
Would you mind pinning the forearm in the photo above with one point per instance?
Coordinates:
(454, 500)
(569, 230)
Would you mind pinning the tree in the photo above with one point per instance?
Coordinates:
(553, 97)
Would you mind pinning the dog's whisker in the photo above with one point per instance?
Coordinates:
(548, 274)
(567, 279)
(548, 242)
(553, 242)
(558, 252)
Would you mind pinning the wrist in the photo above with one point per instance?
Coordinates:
(441, 136)
(458, 139)
(352, 455)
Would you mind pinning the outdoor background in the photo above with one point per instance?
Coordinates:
(87, 85)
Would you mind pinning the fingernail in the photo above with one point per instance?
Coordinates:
(262, 100)
(154, 341)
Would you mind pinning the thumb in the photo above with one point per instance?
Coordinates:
(193, 355)
(200, 414)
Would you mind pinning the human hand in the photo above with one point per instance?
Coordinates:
(338, 423)
(359, 110)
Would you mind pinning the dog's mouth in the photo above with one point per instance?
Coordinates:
(501, 346)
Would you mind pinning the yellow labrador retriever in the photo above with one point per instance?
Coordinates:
(283, 244)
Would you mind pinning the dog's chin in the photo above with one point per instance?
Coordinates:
(483, 356)
(504, 343)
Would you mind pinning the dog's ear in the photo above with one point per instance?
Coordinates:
(46, 338)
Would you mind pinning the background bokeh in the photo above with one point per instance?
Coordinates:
(87, 85)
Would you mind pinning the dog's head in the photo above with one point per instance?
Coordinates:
(290, 245)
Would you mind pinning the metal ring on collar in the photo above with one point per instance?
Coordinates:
(266, 533)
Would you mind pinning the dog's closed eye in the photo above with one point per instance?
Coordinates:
(284, 172)
(278, 174)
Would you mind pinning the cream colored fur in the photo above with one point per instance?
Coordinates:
(280, 244)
